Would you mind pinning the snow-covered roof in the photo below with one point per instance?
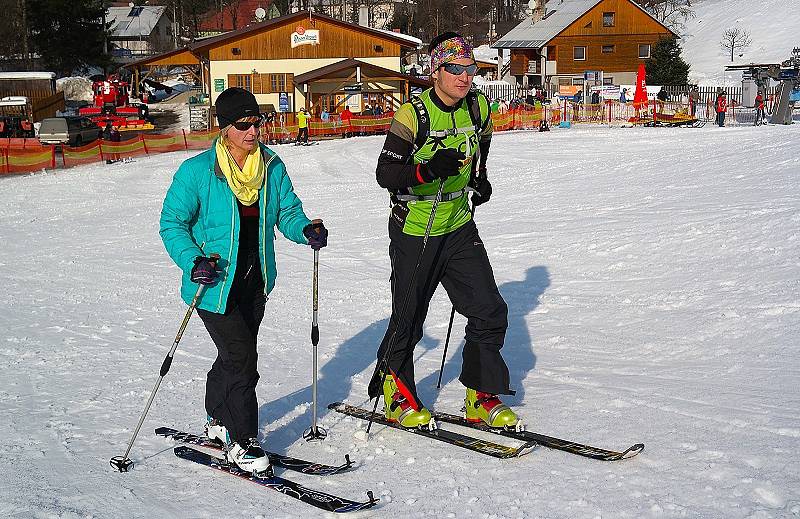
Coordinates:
(402, 36)
(132, 22)
(27, 75)
(559, 16)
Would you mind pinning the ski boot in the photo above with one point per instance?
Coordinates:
(487, 408)
(250, 457)
(216, 431)
(398, 409)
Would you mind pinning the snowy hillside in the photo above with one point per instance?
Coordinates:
(652, 278)
(774, 26)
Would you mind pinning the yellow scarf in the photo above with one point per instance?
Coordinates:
(244, 182)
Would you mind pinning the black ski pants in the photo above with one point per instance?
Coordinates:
(459, 262)
(231, 382)
(302, 135)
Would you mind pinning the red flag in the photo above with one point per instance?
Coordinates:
(640, 97)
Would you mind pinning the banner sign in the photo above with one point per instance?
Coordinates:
(283, 102)
(303, 36)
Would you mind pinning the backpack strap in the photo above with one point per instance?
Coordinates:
(423, 123)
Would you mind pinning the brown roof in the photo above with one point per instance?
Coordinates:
(191, 59)
(351, 63)
(268, 24)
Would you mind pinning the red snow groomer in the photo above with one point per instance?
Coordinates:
(112, 105)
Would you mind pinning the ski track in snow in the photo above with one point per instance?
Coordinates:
(652, 282)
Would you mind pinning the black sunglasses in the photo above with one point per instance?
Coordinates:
(243, 126)
(457, 70)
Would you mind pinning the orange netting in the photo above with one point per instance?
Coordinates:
(81, 155)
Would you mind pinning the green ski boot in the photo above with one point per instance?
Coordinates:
(487, 408)
(398, 409)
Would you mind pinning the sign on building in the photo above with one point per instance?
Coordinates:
(219, 85)
(283, 102)
(303, 36)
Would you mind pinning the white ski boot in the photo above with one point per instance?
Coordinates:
(250, 457)
(216, 431)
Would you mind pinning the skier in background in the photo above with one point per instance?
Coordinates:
(302, 124)
(453, 152)
(197, 210)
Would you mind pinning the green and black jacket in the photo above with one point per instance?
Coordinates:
(411, 142)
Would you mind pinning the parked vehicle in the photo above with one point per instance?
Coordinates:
(72, 131)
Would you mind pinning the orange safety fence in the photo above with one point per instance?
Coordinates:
(3, 161)
(199, 140)
(26, 160)
(162, 143)
(81, 155)
(124, 149)
(20, 142)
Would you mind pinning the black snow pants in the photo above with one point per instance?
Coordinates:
(459, 262)
(231, 382)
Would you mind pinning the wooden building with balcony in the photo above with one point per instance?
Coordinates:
(566, 38)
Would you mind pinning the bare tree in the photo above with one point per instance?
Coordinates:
(672, 13)
(734, 39)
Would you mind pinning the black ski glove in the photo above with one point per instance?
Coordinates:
(444, 163)
(204, 271)
(316, 234)
(483, 189)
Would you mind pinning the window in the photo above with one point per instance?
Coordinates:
(262, 83)
(644, 50)
(608, 19)
(608, 80)
(608, 49)
(280, 83)
(240, 80)
(579, 53)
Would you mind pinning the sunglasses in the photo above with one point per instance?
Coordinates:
(243, 126)
(457, 70)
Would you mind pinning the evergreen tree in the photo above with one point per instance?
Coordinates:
(666, 66)
(67, 34)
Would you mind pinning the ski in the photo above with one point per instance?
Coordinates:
(277, 460)
(287, 487)
(453, 438)
(546, 441)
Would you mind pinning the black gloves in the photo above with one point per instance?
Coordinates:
(483, 189)
(316, 234)
(204, 271)
(444, 163)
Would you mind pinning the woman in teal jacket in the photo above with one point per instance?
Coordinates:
(227, 201)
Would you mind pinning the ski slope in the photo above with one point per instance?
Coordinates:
(652, 278)
(774, 27)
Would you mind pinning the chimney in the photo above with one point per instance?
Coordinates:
(537, 9)
(363, 16)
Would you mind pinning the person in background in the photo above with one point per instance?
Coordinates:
(346, 116)
(302, 125)
(623, 96)
(228, 200)
(759, 106)
(721, 107)
(694, 98)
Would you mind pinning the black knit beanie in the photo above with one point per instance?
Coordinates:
(234, 104)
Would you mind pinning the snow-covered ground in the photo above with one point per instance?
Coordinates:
(652, 281)
(773, 25)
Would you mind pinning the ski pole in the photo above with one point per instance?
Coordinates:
(314, 432)
(384, 364)
(449, 329)
(123, 463)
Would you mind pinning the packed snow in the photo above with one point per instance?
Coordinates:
(652, 278)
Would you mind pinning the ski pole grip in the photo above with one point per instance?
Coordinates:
(214, 257)
(316, 224)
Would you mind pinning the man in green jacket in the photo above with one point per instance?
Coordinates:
(442, 136)
(228, 200)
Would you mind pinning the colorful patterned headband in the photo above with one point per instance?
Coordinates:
(450, 50)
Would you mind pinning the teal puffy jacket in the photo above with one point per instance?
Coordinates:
(200, 208)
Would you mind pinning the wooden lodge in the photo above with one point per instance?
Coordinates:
(564, 39)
